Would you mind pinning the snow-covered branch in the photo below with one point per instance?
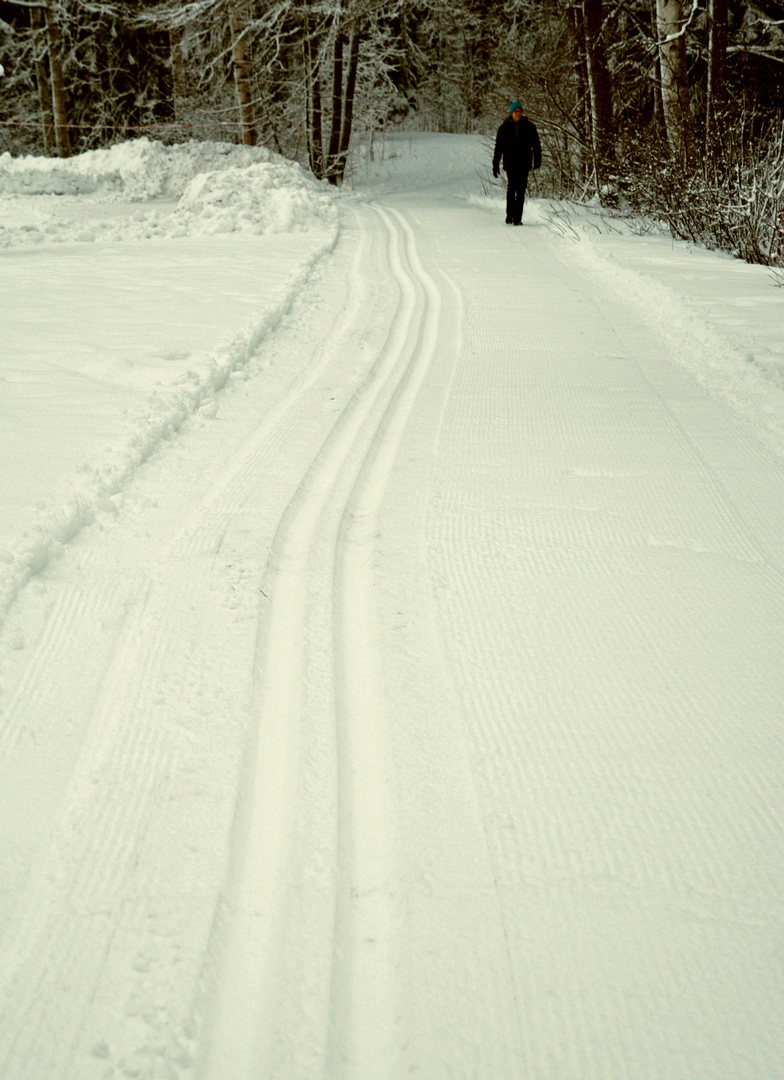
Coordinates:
(695, 7)
(770, 52)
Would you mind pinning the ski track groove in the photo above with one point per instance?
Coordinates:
(360, 449)
(252, 888)
(97, 827)
(366, 1046)
(597, 836)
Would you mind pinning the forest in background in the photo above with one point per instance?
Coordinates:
(669, 109)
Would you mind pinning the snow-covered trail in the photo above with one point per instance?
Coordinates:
(605, 541)
(421, 715)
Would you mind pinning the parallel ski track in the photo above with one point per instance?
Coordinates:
(365, 439)
(77, 909)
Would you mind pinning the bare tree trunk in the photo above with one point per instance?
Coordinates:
(675, 77)
(717, 55)
(583, 123)
(44, 85)
(348, 101)
(330, 165)
(600, 87)
(337, 108)
(242, 76)
(314, 110)
(58, 84)
(658, 107)
(179, 81)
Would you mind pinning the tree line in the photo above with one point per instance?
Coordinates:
(672, 107)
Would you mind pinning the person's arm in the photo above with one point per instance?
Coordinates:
(497, 152)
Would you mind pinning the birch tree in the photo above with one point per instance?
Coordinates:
(43, 80)
(674, 77)
(600, 88)
(310, 42)
(59, 110)
(179, 78)
(242, 72)
(717, 56)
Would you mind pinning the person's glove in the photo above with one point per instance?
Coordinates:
(495, 171)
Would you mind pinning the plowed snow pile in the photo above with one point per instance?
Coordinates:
(221, 188)
(131, 339)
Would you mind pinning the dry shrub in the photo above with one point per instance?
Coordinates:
(732, 200)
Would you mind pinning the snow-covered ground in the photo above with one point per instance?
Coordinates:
(130, 298)
(391, 617)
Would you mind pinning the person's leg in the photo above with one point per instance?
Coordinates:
(510, 199)
(520, 183)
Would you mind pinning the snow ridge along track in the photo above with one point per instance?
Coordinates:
(348, 476)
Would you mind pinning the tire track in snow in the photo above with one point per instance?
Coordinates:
(361, 449)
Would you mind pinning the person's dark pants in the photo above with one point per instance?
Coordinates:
(515, 196)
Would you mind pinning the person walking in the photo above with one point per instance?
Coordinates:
(517, 147)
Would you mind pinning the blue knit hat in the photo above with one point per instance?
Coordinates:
(515, 105)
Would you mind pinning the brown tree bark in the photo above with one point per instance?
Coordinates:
(242, 76)
(179, 80)
(314, 108)
(348, 101)
(717, 56)
(332, 124)
(58, 85)
(337, 108)
(658, 108)
(600, 88)
(43, 79)
(583, 120)
(675, 77)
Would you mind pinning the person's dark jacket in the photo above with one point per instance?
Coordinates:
(517, 145)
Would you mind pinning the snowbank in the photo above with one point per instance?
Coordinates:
(136, 170)
(264, 198)
(221, 188)
(65, 504)
(87, 359)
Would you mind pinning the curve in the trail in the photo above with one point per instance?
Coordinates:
(360, 451)
(363, 998)
(112, 796)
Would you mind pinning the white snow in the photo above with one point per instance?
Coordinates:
(135, 170)
(391, 618)
(128, 342)
(219, 188)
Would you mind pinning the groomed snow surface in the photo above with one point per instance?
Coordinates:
(391, 612)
